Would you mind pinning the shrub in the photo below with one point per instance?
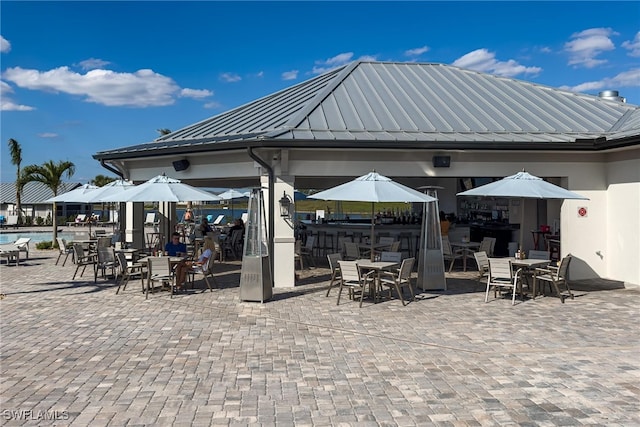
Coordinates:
(39, 220)
(44, 245)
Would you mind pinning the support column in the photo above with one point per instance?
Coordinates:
(283, 236)
(134, 231)
(168, 220)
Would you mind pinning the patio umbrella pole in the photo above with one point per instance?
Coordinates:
(372, 230)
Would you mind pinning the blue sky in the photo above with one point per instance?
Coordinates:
(81, 77)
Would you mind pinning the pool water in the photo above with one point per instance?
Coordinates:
(36, 236)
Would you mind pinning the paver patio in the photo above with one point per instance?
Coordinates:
(77, 352)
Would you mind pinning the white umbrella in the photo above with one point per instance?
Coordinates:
(108, 190)
(523, 186)
(233, 194)
(77, 195)
(161, 189)
(374, 188)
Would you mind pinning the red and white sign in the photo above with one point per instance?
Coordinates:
(582, 212)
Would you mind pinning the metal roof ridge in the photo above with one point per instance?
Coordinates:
(298, 118)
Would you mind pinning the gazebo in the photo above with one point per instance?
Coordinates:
(421, 124)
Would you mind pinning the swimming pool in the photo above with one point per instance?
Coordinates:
(36, 236)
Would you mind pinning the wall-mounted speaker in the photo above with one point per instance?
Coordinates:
(441, 161)
(180, 165)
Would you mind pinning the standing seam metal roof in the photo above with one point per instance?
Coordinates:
(389, 101)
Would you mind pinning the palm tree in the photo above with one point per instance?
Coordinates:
(100, 181)
(50, 174)
(16, 159)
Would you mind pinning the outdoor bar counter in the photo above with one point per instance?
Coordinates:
(504, 233)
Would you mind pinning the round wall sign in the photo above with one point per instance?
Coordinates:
(582, 212)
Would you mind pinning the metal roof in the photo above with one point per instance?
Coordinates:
(399, 102)
(33, 193)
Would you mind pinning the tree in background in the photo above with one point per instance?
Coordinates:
(16, 159)
(50, 174)
(101, 181)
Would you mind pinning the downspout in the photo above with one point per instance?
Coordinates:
(272, 223)
(112, 169)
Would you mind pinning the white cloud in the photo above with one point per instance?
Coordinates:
(9, 105)
(290, 75)
(48, 135)
(230, 77)
(5, 88)
(92, 63)
(625, 79)
(485, 61)
(417, 51)
(5, 46)
(195, 93)
(585, 46)
(331, 63)
(6, 104)
(212, 104)
(143, 88)
(633, 46)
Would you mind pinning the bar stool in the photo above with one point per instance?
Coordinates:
(405, 243)
(324, 243)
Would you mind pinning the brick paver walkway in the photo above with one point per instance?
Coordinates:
(76, 352)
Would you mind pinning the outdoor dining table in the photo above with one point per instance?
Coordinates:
(528, 264)
(130, 253)
(467, 246)
(173, 260)
(378, 266)
(10, 251)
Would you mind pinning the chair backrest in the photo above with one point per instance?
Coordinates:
(485, 246)
(351, 250)
(12, 220)
(150, 218)
(218, 220)
(563, 270)
(349, 271)
(159, 266)
(298, 247)
(311, 240)
(333, 260)
(446, 246)
(106, 255)
(236, 236)
(533, 254)
(78, 252)
(500, 268)
(122, 262)
(395, 246)
(22, 241)
(493, 245)
(391, 256)
(62, 245)
(342, 240)
(81, 217)
(103, 242)
(482, 260)
(406, 268)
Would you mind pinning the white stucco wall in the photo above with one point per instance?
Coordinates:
(622, 250)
